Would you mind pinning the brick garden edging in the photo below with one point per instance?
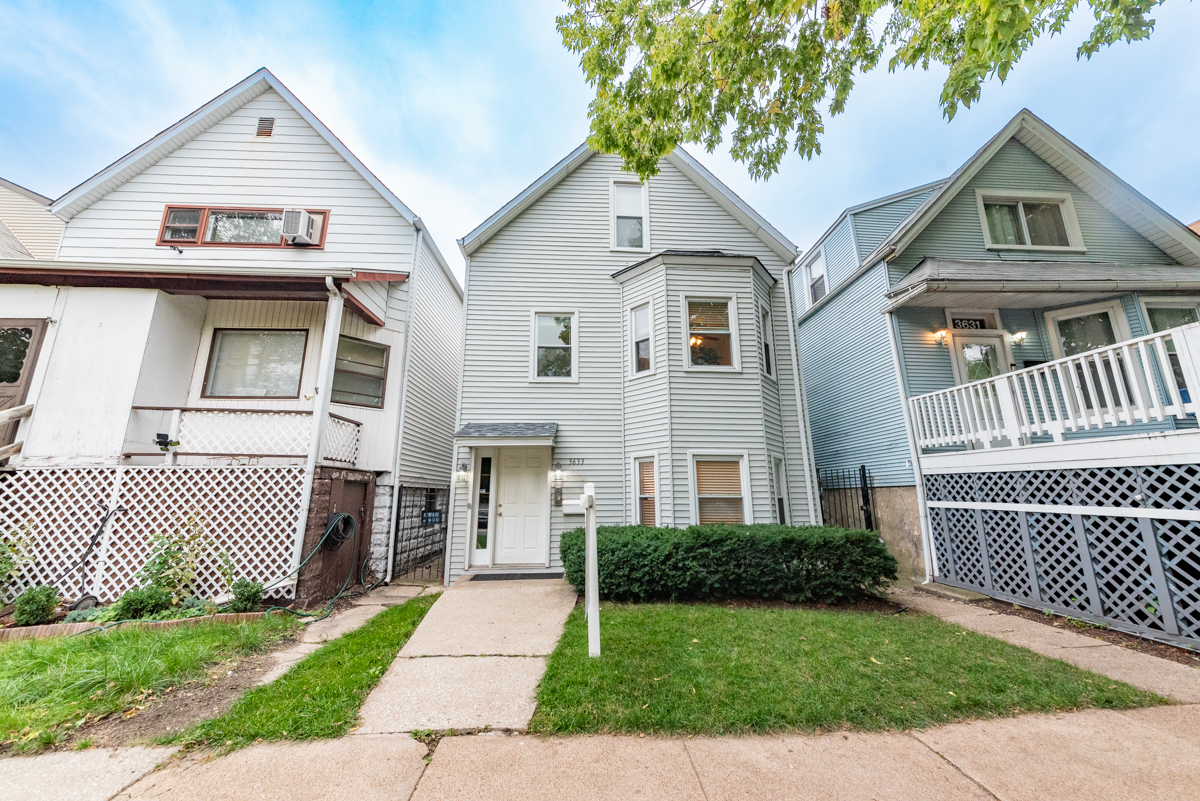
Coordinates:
(63, 629)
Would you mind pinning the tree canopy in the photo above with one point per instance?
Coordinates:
(672, 71)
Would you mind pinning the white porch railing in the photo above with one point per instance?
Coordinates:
(264, 433)
(9, 416)
(1141, 380)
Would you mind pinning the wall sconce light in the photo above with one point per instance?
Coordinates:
(1019, 337)
(464, 472)
(557, 485)
(940, 337)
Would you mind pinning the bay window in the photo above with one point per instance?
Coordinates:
(711, 329)
(718, 489)
(639, 325)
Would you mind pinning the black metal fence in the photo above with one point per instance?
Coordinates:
(419, 554)
(848, 497)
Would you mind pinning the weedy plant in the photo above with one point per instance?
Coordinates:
(175, 558)
(14, 554)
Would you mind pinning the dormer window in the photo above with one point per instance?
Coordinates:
(1029, 221)
(220, 226)
(629, 216)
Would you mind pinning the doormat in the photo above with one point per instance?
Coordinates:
(514, 576)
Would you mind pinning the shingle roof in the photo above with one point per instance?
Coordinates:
(507, 430)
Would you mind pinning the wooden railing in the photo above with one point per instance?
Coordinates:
(1109, 389)
(263, 433)
(13, 415)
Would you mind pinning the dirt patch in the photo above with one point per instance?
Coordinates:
(1131, 641)
(179, 708)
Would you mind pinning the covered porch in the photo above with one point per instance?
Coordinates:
(1053, 430)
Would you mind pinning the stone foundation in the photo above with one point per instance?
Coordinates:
(899, 525)
(325, 571)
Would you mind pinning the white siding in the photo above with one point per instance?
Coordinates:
(432, 386)
(37, 229)
(555, 256)
(227, 165)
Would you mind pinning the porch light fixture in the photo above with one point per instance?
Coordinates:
(463, 472)
(1019, 337)
(940, 337)
(557, 485)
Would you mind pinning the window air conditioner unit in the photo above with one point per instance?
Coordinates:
(299, 227)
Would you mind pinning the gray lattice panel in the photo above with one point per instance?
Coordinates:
(964, 539)
(935, 486)
(1123, 571)
(1052, 487)
(1107, 486)
(941, 544)
(1060, 569)
(1172, 486)
(959, 487)
(1179, 544)
(1000, 487)
(1006, 550)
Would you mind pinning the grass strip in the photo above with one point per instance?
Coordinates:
(702, 669)
(321, 695)
(48, 686)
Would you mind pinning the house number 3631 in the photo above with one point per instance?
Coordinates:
(574, 462)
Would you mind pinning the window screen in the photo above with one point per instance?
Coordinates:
(359, 373)
(248, 363)
(719, 491)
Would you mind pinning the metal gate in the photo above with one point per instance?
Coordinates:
(847, 497)
(419, 551)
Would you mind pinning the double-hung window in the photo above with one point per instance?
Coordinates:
(645, 491)
(359, 373)
(1030, 220)
(711, 327)
(629, 216)
(816, 279)
(639, 325)
(767, 340)
(719, 492)
(255, 363)
(554, 346)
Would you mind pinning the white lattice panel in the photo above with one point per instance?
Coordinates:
(248, 512)
(341, 441)
(244, 433)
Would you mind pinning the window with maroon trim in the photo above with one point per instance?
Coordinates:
(222, 226)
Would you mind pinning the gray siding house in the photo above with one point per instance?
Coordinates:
(1009, 352)
(632, 335)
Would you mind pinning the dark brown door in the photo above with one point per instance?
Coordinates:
(19, 343)
(349, 497)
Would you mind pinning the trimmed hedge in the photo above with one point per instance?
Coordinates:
(794, 564)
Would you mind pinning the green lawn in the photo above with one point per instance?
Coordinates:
(714, 670)
(47, 686)
(320, 696)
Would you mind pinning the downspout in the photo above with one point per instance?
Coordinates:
(807, 455)
(913, 450)
(398, 444)
(329, 341)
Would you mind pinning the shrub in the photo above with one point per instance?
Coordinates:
(795, 564)
(175, 558)
(141, 602)
(247, 595)
(35, 606)
(83, 615)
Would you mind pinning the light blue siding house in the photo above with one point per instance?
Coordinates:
(1009, 352)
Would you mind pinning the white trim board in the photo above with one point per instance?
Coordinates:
(1106, 511)
(1165, 447)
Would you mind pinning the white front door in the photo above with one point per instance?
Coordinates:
(978, 355)
(523, 506)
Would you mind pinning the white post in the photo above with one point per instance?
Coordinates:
(591, 593)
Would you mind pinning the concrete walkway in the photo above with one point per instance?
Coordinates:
(1146, 672)
(475, 661)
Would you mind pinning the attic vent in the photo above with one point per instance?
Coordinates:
(266, 126)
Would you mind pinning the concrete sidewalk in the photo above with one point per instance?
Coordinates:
(1085, 756)
(1168, 679)
(475, 661)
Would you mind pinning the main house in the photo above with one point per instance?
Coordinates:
(630, 334)
(1013, 354)
(240, 328)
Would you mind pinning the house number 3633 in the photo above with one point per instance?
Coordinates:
(574, 462)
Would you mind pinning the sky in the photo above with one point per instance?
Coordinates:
(458, 106)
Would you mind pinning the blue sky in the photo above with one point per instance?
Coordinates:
(458, 106)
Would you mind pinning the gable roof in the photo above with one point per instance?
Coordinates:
(679, 158)
(168, 141)
(28, 193)
(1093, 178)
(10, 246)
